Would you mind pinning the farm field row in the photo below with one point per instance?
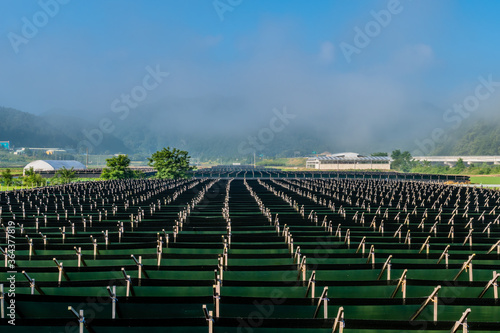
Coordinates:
(260, 255)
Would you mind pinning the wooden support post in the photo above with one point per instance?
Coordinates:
(497, 245)
(311, 285)
(371, 256)
(79, 255)
(462, 322)
(468, 238)
(387, 265)
(96, 251)
(338, 232)
(469, 224)
(81, 319)
(209, 318)
(225, 256)
(114, 299)
(159, 252)
(302, 269)
(488, 228)
(30, 243)
(408, 238)
(128, 281)
(323, 300)
(434, 228)
(296, 256)
(106, 238)
(339, 321)
(493, 282)
(216, 294)
(63, 233)
(61, 271)
(362, 245)
(465, 266)
(421, 225)
(432, 298)
(140, 267)
(451, 234)
(221, 267)
(435, 301)
(2, 302)
(6, 256)
(401, 284)
(398, 233)
(445, 255)
(33, 285)
(425, 245)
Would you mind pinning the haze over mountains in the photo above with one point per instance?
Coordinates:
(284, 134)
(283, 78)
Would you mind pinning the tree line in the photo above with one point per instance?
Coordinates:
(169, 163)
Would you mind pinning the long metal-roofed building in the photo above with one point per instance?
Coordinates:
(53, 165)
(349, 161)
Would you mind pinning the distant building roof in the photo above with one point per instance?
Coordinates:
(349, 156)
(49, 165)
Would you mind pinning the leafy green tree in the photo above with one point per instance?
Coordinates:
(170, 163)
(460, 165)
(31, 178)
(380, 154)
(7, 177)
(402, 161)
(64, 176)
(117, 168)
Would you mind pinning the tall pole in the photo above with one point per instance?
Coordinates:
(87, 160)
(254, 159)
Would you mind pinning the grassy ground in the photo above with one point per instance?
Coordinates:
(283, 163)
(10, 188)
(494, 179)
(14, 171)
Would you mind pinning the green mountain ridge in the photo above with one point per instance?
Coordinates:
(481, 137)
(25, 129)
(148, 131)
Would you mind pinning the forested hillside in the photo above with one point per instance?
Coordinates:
(147, 132)
(479, 138)
(25, 129)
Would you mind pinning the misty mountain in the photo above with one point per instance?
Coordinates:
(207, 129)
(78, 130)
(23, 129)
(149, 129)
(480, 137)
(53, 129)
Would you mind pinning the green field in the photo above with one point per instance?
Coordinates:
(10, 188)
(485, 179)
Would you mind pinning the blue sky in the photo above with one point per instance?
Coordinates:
(263, 53)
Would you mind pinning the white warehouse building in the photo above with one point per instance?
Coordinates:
(53, 165)
(349, 161)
